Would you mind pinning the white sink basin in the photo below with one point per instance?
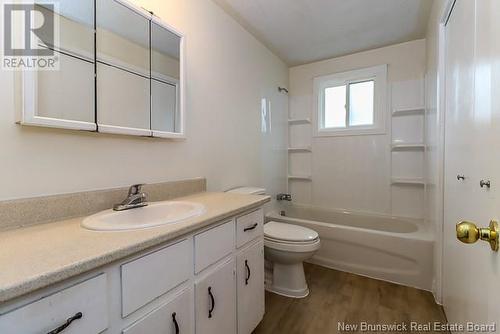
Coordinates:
(155, 214)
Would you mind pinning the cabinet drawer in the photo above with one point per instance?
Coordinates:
(154, 274)
(213, 245)
(249, 227)
(88, 298)
(164, 319)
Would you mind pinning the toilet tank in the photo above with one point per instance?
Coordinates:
(248, 191)
(253, 191)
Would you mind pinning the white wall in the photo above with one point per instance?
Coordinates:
(351, 172)
(435, 141)
(228, 71)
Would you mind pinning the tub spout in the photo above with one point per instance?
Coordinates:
(284, 197)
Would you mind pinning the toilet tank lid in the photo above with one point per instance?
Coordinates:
(248, 191)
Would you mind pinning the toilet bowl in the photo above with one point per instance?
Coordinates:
(286, 247)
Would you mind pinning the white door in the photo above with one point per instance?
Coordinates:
(215, 300)
(471, 273)
(250, 291)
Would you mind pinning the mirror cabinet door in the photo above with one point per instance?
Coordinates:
(165, 81)
(75, 34)
(63, 97)
(123, 69)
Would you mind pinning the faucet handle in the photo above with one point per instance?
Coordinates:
(135, 189)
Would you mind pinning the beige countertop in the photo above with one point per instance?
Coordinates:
(38, 256)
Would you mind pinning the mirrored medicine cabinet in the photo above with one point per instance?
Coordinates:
(120, 70)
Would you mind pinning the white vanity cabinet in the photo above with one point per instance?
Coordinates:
(209, 281)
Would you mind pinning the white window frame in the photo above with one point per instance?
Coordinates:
(376, 73)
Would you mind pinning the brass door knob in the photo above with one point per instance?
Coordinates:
(469, 233)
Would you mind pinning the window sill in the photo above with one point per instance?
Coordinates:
(349, 132)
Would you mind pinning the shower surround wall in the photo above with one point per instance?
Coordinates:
(355, 172)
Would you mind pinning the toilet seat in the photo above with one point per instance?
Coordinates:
(293, 247)
(290, 238)
(282, 232)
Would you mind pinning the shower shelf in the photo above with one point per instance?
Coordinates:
(300, 149)
(408, 111)
(299, 121)
(418, 181)
(300, 177)
(400, 146)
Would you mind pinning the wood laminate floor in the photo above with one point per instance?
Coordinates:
(337, 297)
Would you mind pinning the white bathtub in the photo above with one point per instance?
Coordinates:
(393, 249)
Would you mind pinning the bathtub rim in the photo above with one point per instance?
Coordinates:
(422, 232)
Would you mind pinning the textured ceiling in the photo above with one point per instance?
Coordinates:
(304, 31)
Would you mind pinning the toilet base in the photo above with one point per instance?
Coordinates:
(288, 293)
(287, 280)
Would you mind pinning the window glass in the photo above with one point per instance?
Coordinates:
(351, 103)
(334, 107)
(361, 103)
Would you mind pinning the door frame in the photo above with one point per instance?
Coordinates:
(441, 119)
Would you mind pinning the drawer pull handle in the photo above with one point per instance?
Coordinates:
(484, 183)
(212, 302)
(175, 323)
(68, 322)
(248, 272)
(250, 228)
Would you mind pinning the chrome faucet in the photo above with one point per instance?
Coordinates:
(135, 199)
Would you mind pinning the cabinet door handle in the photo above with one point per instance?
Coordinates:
(248, 272)
(485, 183)
(251, 227)
(175, 323)
(68, 322)
(212, 302)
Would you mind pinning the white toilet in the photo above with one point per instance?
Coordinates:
(286, 247)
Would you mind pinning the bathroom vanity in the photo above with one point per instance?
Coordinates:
(202, 275)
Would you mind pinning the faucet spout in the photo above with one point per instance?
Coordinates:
(135, 199)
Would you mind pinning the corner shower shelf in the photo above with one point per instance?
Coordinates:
(418, 181)
(401, 146)
(409, 111)
(300, 149)
(299, 121)
(300, 177)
